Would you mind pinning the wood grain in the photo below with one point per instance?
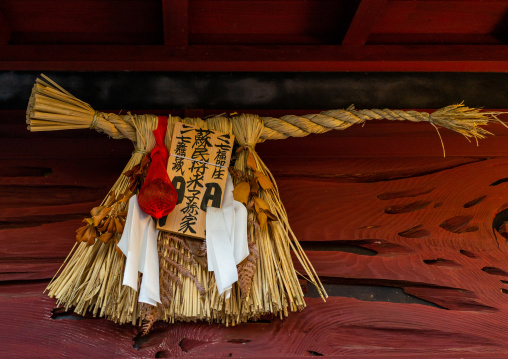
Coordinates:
(175, 15)
(366, 16)
(342, 326)
(361, 218)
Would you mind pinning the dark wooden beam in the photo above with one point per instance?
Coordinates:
(5, 31)
(363, 22)
(176, 22)
(375, 58)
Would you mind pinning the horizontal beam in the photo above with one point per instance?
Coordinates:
(380, 58)
(5, 30)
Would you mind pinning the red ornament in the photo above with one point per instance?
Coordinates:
(157, 197)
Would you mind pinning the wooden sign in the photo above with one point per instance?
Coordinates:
(198, 167)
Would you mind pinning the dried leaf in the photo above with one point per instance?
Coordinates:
(96, 210)
(111, 225)
(106, 237)
(126, 196)
(198, 250)
(89, 235)
(118, 250)
(241, 192)
(104, 226)
(80, 232)
(145, 162)
(130, 172)
(263, 180)
(260, 205)
(251, 161)
(91, 240)
(118, 225)
(236, 173)
(262, 218)
(270, 215)
(100, 216)
(254, 186)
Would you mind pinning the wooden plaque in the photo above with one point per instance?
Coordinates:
(198, 167)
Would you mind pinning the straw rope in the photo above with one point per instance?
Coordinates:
(51, 109)
(121, 126)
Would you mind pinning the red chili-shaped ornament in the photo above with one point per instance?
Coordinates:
(158, 196)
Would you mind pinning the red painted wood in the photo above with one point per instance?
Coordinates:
(451, 58)
(441, 17)
(405, 208)
(342, 326)
(5, 30)
(345, 202)
(436, 39)
(175, 14)
(398, 139)
(254, 22)
(77, 148)
(452, 187)
(337, 169)
(269, 22)
(84, 21)
(368, 12)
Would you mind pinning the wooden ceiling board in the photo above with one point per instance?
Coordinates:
(269, 22)
(254, 35)
(83, 21)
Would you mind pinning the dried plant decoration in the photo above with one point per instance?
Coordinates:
(91, 279)
(149, 315)
(176, 262)
(198, 249)
(247, 270)
(137, 174)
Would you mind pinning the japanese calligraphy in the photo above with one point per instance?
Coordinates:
(197, 167)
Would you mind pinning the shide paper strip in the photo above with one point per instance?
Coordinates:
(226, 239)
(139, 244)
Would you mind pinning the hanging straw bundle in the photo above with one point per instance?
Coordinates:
(91, 277)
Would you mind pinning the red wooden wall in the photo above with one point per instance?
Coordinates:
(375, 206)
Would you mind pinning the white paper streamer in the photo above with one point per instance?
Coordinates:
(139, 244)
(226, 239)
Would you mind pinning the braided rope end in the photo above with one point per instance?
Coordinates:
(465, 120)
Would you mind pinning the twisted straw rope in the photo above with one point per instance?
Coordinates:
(300, 126)
(52, 108)
(119, 127)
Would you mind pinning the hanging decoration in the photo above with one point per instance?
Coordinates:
(222, 250)
(157, 196)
